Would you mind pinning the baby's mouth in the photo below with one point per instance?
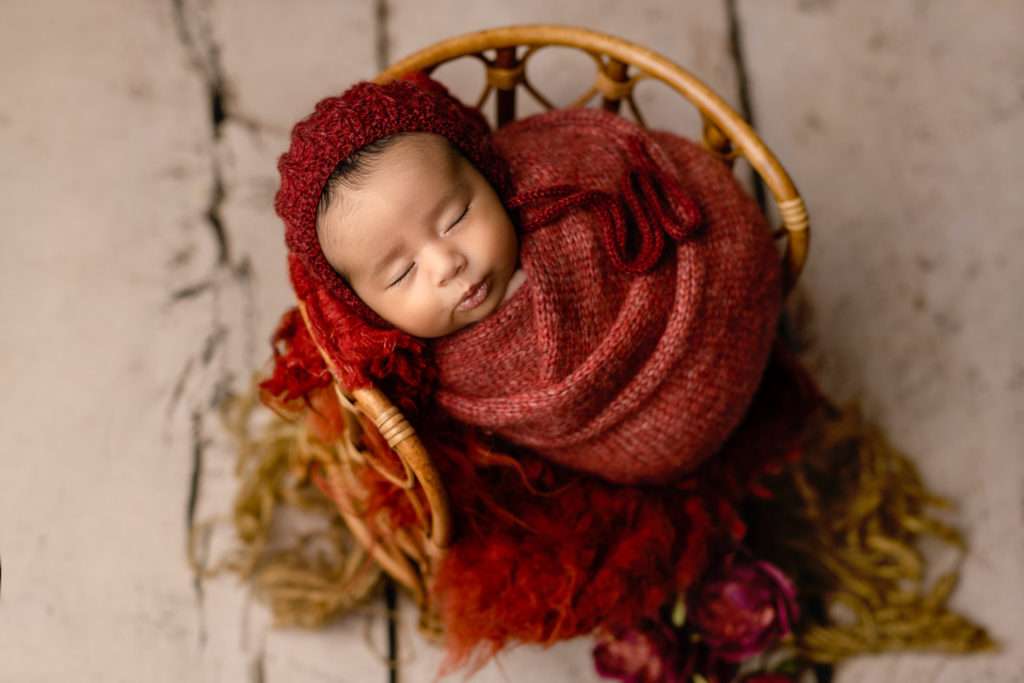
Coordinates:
(474, 296)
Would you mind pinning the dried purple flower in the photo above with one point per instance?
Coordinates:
(653, 652)
(744, 608)
(649, 653)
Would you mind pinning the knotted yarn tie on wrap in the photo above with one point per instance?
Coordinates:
(650, 204)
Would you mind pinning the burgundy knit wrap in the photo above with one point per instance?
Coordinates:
(634, 377)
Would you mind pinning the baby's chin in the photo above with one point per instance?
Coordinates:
(495, 300)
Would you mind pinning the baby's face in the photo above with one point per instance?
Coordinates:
(423, 239)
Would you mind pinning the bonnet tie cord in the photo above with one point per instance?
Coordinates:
(649, 205)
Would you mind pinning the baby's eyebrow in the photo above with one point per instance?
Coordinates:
(386, 259)
(454, 190)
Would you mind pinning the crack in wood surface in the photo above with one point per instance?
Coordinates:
(242, 275)
(736, 51)
(198, 448)
(196, 35)
(213, 341)
(210, 363)
(258, 668)
(190, 291)
(198, 445)
(179, 386)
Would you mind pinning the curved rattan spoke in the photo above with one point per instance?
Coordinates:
(394, 563)
(365, 457)
(350, 451)
(528, 84)
(375, 405)
(417, 507)
(600, 59)
(344, 399)
(480, 101)
(348, 473)
(405, 542)
(585, 98)
(544, 102)
(407, 481)
(636, 111)
(530, 51)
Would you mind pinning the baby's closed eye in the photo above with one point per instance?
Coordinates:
(458, 220)
(402, 276)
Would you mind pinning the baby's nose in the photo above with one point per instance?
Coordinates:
(447, 264)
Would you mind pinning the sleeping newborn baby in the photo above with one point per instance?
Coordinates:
(602, 295)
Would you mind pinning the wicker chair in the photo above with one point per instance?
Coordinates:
(410, 557)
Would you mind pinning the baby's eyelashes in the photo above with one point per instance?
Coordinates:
(458, 220)
(402, 276)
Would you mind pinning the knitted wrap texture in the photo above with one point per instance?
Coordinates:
(633, 377)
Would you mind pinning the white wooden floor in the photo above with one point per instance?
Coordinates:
(142, 270)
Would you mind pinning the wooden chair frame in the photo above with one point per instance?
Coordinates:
(407, 556)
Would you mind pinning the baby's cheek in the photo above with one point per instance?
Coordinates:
(432, 319)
